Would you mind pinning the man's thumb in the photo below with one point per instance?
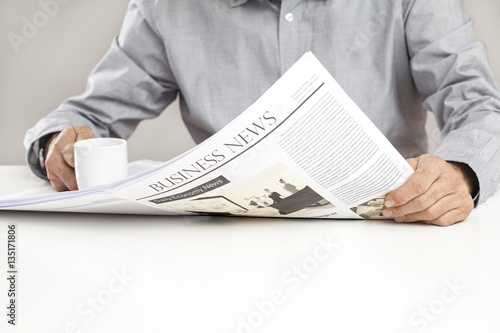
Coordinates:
(413, 162)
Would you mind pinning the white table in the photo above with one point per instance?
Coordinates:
(209, 274)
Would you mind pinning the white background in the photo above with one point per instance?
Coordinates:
(56, 62)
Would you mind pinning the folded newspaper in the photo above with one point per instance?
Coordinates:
(303, 149)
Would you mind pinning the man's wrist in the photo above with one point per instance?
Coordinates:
(470, 178)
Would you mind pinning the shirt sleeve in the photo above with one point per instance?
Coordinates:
(452, 74)
(131, 83)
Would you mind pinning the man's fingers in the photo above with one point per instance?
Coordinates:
(460, 204)
(60, 161)
(431, 213)
(416, 185)
(74, 134)
(422, 202)
(67, 176)
(61, 151)
(64, 182)
(448, 218)
(68, 154)
(428, 169)
(49, 144)
(58, 186)
(60, 174)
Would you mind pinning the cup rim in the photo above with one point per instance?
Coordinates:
(113, 142)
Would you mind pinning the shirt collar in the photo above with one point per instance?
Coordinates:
(234, 3)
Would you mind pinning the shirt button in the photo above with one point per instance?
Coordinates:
(289, 17)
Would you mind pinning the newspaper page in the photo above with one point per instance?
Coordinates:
(303, 149)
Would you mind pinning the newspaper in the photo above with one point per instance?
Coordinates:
(304, 149)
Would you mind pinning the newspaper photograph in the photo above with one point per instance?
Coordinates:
(265, 194)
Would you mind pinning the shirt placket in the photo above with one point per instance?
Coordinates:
(289, 33)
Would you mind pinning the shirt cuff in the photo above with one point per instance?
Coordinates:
(35, 157)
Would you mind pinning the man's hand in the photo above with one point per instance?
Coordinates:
(60, 159)
(437, 193)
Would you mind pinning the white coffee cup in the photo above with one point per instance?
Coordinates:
(100, 161)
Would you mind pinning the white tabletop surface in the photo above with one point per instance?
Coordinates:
(112, 273)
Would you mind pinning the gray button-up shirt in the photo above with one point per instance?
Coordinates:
(394, 58)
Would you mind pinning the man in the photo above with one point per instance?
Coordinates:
(288, 187)
(219, 56)
(274, 196)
